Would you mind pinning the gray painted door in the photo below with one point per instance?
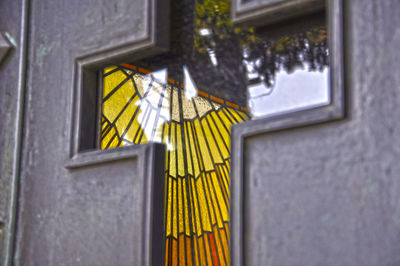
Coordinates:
(75, 207)
(326, 194)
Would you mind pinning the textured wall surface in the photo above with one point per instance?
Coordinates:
(10, 21)
(319, 195)
(96, 213)
(330, 194)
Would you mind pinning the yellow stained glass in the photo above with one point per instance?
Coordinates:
(137, 108)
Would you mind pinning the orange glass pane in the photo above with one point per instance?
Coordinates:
(214, 76)
(195, 131)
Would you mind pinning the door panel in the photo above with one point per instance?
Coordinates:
(115, 202)
(107, 209)
(92, 207)
(12, 21)
(327, 194)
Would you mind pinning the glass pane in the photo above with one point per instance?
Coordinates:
(214, 76)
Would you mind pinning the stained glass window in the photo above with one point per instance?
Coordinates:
(214, 76)
(195, 127)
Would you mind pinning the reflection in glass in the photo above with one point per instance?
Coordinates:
(286, 95)
(140, 106)
(215, 75)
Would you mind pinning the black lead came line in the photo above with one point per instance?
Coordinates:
(211, 180)
(212, 158)
(112, 92)
(111, 140)
(123, 110)
(147, 115)
(175, 199)
(115, 89)
(136, 111)
(169, 204)
(212, 121)
(202, 160)
(215, 164)
(188, 123)
(111, 72)
(223, 124)
(184, 150)
(162, 96)
(143, 124)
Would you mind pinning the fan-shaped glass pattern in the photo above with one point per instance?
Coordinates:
(195, 127)
(189, 97)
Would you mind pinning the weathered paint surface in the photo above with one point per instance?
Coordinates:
(10, 22)
(96, 213)
(330, 194)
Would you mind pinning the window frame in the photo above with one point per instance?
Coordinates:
(87, 78)
(262, 12)
(333, 111)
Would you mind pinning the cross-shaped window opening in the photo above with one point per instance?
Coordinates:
(215, 75)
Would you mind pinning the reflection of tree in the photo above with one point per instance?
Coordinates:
(267, 57)
(224, 59)
(214, 35)
(263, 57)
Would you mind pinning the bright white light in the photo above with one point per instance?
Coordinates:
(190, 87)
(213, 58)
(169, 146)
(299, 90)
(160, 75)
(205, 32)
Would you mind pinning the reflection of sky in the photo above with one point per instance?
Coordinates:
(298, 90)
(190, 86)
(160, 75)
(301, 89)
(159, 93)
(147, 117)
